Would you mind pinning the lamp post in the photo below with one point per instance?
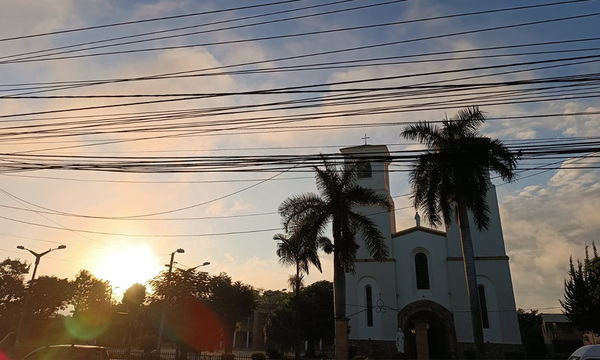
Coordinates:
(197, 266)
(28, 295)
(165, 301)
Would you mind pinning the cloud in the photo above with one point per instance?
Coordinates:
(543, 226)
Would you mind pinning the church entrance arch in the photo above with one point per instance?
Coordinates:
(428, 330)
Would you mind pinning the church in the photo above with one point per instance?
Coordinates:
(415, 303)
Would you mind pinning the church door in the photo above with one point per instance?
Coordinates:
(429, 331)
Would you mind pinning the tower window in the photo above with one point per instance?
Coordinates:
(363, 169)
(422, 271)
(483, 306)
(369, 296)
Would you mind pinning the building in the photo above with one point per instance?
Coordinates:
(416, 301)
(560, 335)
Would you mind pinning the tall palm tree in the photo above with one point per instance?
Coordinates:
(336, 204)
(453, 177)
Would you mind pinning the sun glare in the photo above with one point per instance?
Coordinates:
(128, 265)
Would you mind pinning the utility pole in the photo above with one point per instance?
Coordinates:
(28, 295)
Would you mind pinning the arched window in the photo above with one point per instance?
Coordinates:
(369, 296)
(422, 271)
(363, 169)
(485, 320)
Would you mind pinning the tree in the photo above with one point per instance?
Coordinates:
(530, 327)
(232, 302)
(310, 215)
(183, 284)
(280, 330)
(131, 308)
(299, 251)
(90, 293)
(92, 306)
(316, 312)
(12, 291)
(582, 292)
(452, 177)
(188, 321)
(48, 295)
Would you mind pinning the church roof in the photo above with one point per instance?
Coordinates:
(418, 228)
(366, 149)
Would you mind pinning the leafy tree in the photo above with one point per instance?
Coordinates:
(90, 293)
(530, 326)
(582, 292)
(12, 290)
(452, 177)
(186, 292)
(183, 284)
(232, 302)
(300, 252)
(130, 309)
(134, 297)
(316, 313)
(310, 214)
(92, 307)
(50, 294)
(280, 330)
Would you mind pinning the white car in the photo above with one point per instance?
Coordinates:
(588, 352)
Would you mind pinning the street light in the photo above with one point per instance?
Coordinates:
(197, 266)
(38, 256)
(165, 301)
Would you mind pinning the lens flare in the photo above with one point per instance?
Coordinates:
(195, 325)
(86, 326)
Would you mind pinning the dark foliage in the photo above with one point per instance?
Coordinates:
(530, 325)
(582, 292)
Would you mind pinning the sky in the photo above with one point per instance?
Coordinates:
(131, 129)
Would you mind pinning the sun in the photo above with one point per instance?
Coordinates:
(127, 265)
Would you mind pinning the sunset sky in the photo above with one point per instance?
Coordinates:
(129, 129)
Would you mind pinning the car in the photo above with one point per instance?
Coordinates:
(587, 352)
(69, 352)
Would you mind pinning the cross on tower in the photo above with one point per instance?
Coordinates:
(366, 138)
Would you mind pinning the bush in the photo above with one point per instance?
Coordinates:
(258, 356)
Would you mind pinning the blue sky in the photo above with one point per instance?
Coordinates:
(229, 218)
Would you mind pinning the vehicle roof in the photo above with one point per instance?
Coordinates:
(587, 350)
(76, 345)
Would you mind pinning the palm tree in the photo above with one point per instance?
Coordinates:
(453, 176)
(296, 250)
(310, 214)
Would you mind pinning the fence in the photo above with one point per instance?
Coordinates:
(169, 354)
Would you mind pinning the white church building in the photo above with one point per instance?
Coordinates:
(415, 303)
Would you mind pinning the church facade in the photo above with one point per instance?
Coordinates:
(415, 303)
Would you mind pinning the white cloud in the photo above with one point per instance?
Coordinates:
(546, 224)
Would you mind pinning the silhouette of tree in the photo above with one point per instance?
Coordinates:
(299, 252)
(50, 294)
(12, 291)
(453, 177)
(582, 292)
(530, 326)
(92, 304)
(316, 313)
(310, 214)
(232, 302)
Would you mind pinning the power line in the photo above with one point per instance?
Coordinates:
(311, 33)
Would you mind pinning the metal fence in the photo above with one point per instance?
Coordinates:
(167, 354)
